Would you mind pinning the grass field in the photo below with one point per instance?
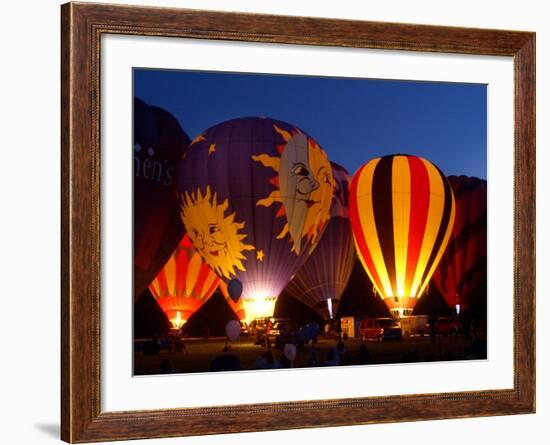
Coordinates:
(198, 353)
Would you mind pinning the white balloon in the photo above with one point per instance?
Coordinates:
(290, 352)
(233, 330)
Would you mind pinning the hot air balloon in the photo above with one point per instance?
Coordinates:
(184, 284)
(159, 143)
(255, 199)
(321, 281)
(463, 267)
(236, 306)
(402, 212)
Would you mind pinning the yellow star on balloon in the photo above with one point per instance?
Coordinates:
(199, 138)
(260, 255)
(211, 149)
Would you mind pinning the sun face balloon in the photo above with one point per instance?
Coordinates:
(294, 179)
(184, 284)
(402, 212)
(306, 185)
(321, 281)
(215, 234)
(463, 267)
(255, 198)
(159, 143)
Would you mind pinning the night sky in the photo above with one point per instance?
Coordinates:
(354, 120)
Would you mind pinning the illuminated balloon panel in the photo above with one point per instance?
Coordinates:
(255, 199)
(402, 212)
(184, 284)
(321, 281)
(159, 143)
(463, 268)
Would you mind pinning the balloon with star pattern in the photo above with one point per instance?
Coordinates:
(255, 197)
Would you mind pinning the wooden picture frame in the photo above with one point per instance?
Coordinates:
(82, 26)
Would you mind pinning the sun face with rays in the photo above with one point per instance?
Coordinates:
(304, 186)
(319, 212)
(215, 235)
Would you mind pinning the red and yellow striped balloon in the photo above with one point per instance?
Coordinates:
(402, 212)
(184, 284)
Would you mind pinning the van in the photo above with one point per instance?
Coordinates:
(414, 325)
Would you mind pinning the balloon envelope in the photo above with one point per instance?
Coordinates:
(255, 199)
(236, 306)
(321, 281)
(402, 212)
(235, 289)
(463, 267)
(159, 143)
(233, 330)
(184, 284)
(289, 351)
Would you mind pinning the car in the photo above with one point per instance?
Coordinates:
(448, 326)
(379, 329)
(281, 332)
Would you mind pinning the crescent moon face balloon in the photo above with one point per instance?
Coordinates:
(159, 143)
(463, 268)
(255, 199)
(402, 212)
(321, 281)
(184, 284)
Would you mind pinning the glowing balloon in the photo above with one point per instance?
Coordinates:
(255, 199)
(402, 212)
(233, 330)
(184, 284)
(463, 267)
(321, 281)
(159, 143)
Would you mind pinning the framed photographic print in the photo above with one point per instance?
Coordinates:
(284, 222)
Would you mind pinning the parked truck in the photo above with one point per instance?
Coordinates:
(414, 325)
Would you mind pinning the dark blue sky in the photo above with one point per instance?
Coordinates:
(354, 120)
